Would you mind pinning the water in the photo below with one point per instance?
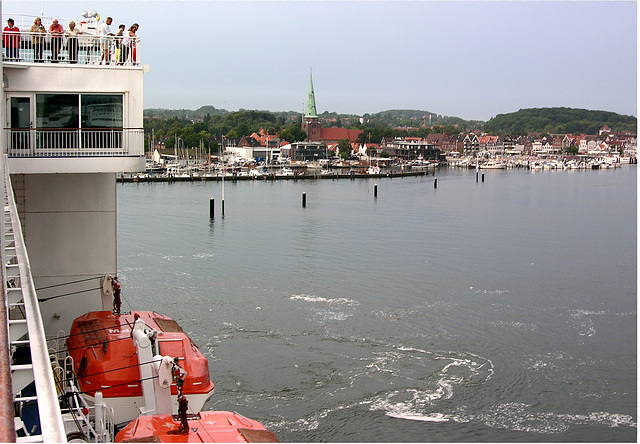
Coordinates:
(502, 310)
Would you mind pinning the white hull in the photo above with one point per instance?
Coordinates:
(126, 409)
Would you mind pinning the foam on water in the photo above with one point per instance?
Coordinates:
(321, 300)
(421, 403)
(521, 417)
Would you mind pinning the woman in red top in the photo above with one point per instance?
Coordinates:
(11, 40)
(57, 32)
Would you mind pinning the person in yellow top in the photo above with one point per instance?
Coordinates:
(37, 39)
(72, 42)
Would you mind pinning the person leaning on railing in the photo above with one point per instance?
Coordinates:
(119, 37)
(129, 43)
(37, 39)
(57, 31)
(72, 42)
(11, 40)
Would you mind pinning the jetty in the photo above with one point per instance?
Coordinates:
(195, 177)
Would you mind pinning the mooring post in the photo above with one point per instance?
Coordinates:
(223, 207)
(476, 177)
(212, 202)
(375, 190)
(304, 200)
(483, 177)
(435, 182)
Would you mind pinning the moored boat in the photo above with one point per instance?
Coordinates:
(492, 165)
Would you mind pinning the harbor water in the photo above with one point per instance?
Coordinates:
(495, 310)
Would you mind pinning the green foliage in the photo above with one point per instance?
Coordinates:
(344, 148)
(559, 121)
(292, 134)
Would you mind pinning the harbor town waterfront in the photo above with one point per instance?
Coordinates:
(496, 310)
(456, 280)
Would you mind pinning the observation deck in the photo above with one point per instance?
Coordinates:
(73, 104)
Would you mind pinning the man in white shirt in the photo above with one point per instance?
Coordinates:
(105, 32)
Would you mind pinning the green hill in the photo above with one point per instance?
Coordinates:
(559, 121)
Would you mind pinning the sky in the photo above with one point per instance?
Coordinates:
(469, 59)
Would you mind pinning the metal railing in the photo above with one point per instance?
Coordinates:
(25, 302)
(83, 49)
(115, 142)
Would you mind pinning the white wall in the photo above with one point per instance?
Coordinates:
(69, 225)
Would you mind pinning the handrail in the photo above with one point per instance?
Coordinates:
(51, 422)
(83, 49)
(73, 142)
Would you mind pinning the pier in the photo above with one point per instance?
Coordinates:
(123, 178)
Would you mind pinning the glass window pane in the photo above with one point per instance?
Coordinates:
(101, 111)
(57, 111)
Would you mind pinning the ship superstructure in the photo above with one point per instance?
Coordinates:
(69, 126)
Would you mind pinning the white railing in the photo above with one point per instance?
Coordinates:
(50, 416)
(114, 142)
(84, 49)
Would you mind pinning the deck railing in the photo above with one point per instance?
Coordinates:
(85, 49)
(23, 310)
(114, 142)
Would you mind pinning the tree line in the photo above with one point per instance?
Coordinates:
(208, 129)
(559, 121)
(205, 126)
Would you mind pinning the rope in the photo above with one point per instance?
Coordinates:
(90, 345)
(68, 294)
(106, 371)
(85, 331)
(89, 392)
(68, 283)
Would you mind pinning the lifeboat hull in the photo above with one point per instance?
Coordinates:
(105, 359)
(204, 427)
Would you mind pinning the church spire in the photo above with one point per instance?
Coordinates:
(311, 101)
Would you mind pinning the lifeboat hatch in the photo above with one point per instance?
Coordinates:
(252, 435)
(168, 325)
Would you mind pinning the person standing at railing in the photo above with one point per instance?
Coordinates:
(105, 32)
(119, 36)
(72, 42)
(11, 40)
(37, 39)
(57, 31)
(129, 42)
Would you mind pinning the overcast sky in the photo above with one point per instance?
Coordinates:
(467, 59)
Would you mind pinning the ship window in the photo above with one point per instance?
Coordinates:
(73, 111)
(101, 111)
(58, 111)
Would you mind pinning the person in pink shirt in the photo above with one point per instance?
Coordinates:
(57, 31)
(11, 40)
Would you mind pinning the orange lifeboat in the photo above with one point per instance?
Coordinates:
(203, 427)
(105, 359)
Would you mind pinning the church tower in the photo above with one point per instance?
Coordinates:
(310, 123)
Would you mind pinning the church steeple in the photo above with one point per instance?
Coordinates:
(310, 122)
(311, 101)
